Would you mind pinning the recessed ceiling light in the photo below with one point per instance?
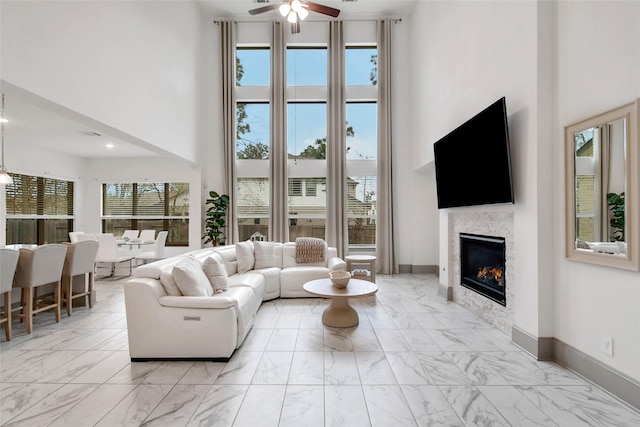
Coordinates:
(109, 145)
(3, 120)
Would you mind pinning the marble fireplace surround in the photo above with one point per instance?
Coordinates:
(495, 224)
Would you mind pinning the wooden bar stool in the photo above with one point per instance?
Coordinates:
(8, 264)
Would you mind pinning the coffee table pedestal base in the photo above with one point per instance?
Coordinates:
(340, 314)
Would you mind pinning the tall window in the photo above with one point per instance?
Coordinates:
(306, 62)
(147, 206)
(252, 139)
(586, 199)
(39, 210)
(362, 143)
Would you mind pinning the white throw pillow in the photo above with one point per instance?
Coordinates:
(265, 254)
(216, 273)
(190, 278)
(170, 286)
(245, 256)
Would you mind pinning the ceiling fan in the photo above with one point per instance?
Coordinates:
(296, 11)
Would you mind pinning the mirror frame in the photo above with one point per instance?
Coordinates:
(632, 192)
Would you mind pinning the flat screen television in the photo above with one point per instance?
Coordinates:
(473, 166)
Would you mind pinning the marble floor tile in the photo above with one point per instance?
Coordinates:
(136, 406)
(240, 369)
(273, 368)
(75, 367)
(54, 405)
(337, 339)
(134, 373)
(387, 406)
(392, 340)
(476, 368)
(408, 369)
(168, 373)
(340, 368)
(105, 369)
(202, 373)
(14, 402)
(261, 406)
(345, 405)
(307, 367)
(303, 406)
(178, 406)
(219, 407)
(310, 340)
(472, 407)
(374, 368)
(282, 340)
(365, 340)
(429, 406)
(515, 407)
(90, 410)
(414, 359)
(442, 370)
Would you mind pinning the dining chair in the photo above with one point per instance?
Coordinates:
(8, 264)
(80, 260)
(130, 234)
(148, 235)
(73, 236)
(36, 267)
(158, 249)
(108, 252)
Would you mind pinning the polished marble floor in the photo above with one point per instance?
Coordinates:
(413, 360)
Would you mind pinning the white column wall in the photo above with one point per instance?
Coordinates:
(598, 63)
(469, 55)
(133, 66)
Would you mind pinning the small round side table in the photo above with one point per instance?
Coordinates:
(368, 260)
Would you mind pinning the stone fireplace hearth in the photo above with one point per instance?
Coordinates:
(484, 224)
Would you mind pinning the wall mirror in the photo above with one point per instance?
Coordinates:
(602, 189)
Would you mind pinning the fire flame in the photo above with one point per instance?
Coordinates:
(488, 273)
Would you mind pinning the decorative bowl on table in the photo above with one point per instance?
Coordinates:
(340, 279)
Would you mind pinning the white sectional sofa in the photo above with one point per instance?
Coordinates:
(165, 325)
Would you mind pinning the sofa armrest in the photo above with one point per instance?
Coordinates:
(337, 264)
(198, 302)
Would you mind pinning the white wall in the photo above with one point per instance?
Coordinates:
(469, 55)
(598, 63)
(134, 66)
(100, 171)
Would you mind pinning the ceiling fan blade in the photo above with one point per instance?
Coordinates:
(264, 9)
(295, 27)
(320, 8)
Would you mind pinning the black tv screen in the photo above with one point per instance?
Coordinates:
(473, 166)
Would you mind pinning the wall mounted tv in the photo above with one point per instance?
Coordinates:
(473, 166)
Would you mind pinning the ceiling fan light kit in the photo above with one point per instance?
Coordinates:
(295, 11)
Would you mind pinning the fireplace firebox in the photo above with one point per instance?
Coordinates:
(482, 266)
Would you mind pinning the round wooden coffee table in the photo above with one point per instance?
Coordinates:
(340, 314)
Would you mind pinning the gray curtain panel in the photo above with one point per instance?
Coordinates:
(384, 220)
(337, 229)
(228, 33)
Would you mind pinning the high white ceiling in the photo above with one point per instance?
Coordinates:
(41, 123)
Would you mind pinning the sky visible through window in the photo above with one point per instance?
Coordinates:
(306, 122)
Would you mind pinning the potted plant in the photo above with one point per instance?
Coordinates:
(616, 205)
(215, 222)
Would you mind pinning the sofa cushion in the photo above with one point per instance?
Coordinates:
(215, 271)
(190, 278)
(169, 284)
(245, 256)
(265, 255)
